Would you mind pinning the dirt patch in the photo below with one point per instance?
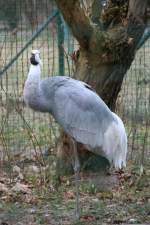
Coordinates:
(32, 198)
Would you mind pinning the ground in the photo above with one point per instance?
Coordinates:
(30, 194)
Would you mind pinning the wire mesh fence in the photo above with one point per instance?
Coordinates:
(22, 129)
(135, 105)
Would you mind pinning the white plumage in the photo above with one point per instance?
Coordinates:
(115, 143)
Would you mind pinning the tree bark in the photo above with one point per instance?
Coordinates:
(107, 49)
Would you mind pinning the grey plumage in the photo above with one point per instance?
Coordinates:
(79, 110)
(81, 113)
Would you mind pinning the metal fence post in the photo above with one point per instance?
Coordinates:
(60, 28)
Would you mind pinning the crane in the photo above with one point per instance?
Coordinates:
(82, 114)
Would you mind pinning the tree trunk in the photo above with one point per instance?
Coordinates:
(102, 74)
(107, 49)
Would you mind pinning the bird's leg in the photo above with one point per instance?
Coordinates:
(76, 167)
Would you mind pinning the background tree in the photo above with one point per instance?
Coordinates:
(9, 13)
(108, 38)
(33, 8)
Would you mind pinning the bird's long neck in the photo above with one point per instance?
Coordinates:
(34, 74)
(31, 88)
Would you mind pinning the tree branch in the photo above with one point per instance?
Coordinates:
(78, 21)
(96, 11)
(137, 9)
(136, 20)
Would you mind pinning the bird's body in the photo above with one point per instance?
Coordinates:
(81, 113)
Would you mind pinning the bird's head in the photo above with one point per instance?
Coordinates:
(35, 57)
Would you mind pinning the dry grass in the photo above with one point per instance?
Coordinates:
(35, 201)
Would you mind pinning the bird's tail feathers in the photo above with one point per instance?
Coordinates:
(115, 143)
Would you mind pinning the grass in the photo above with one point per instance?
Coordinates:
(126, 202)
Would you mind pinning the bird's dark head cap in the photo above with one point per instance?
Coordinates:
(35, 57)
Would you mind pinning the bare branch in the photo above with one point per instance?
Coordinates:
(137, 9)
(77, 19)
(136, 20)
(96, 11)
(130, 30)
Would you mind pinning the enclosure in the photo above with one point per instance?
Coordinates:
(29, 138)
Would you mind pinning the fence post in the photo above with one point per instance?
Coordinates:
(60, 29)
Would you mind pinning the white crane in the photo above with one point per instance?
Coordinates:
(81, 113)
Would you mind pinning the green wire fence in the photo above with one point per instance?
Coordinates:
(38, 25)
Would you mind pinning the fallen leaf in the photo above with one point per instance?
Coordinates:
(21, 188)
(69, 195)
(3, 188)
(88, 218)
(16, 169)
(29, 198)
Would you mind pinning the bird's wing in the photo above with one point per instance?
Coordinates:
(81, 113)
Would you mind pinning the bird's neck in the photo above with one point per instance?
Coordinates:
(31, 88)
(34, 74)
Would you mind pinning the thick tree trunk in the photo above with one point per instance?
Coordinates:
(102, 74)
(104, 57)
